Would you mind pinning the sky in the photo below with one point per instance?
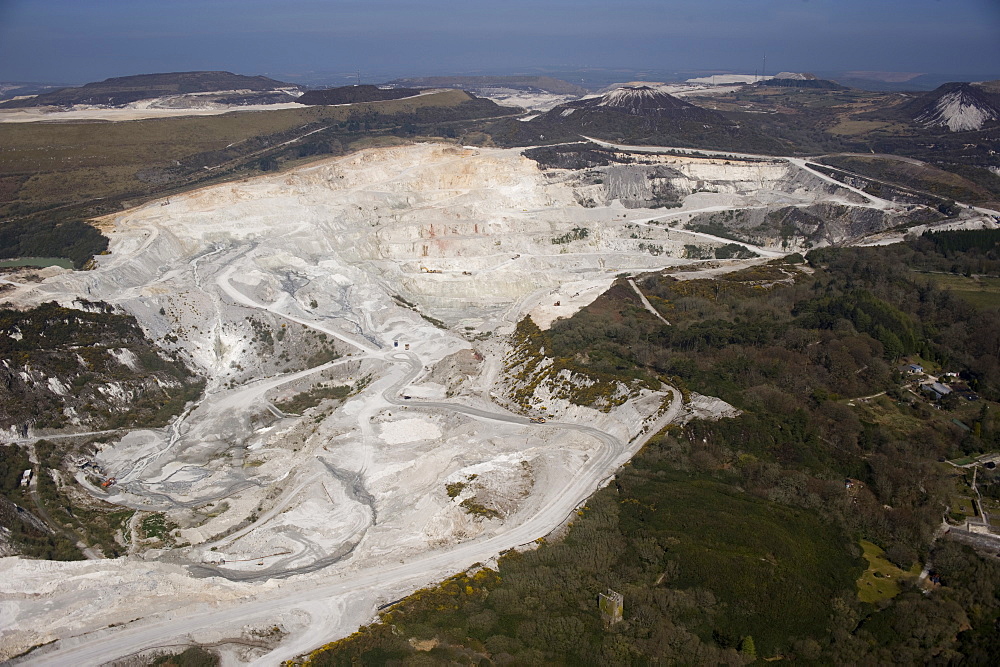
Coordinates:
(75, 41)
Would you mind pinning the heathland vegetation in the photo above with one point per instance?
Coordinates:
(355, 94)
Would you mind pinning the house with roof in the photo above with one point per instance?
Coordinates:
(937, 390)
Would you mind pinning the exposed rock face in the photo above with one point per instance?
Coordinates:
(454, 231)
(90, 369)
(641, 186)
(644, 101)
(805, 226)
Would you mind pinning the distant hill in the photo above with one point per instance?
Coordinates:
(887, 81)
(542, 84)
(636, 115)
(790, 80)
(355, 94)
(119, 91)
(958, 106)
(10, 89)
(992, 87)
(646, 101)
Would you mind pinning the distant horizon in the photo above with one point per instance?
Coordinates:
(75, 41)
(888, 79)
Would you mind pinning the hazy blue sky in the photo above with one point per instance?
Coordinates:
(85, 40)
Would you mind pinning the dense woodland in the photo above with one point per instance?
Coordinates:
(737, 540)
(72, 240)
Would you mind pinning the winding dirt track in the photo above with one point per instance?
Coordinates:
(354, 595)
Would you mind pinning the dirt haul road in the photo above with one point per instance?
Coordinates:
(378, 583)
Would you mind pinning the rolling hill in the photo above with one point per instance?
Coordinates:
(792, 80)
(354, 94)
(545, 84)
(119, 91)
(637, 115)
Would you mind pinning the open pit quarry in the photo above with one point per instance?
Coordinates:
(409, 267)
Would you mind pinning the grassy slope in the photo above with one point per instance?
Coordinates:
(881, 580)
(71, 161)
(925, 178)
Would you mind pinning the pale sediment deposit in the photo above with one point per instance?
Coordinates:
(397, 274)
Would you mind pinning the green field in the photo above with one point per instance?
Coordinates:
(881, 580)
(962, 505)
(851, 127)
(981, 291)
